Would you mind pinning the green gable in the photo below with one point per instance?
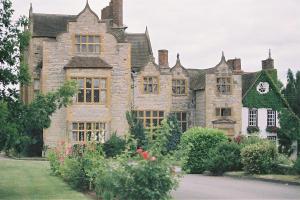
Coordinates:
(272, 99)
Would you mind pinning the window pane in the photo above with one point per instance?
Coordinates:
(91, 39)
(78, 48)
(184, 118)
(184, 126)
(103, 97)
(97, 39)
(96, 126)
(88, 83)
(148, 113)
(155, 122)
(91, 48)
(81, 126)
(161, 113)
(89, 126)
(89, 96)
(78, 39)
(148, 122)
(83, 48)
(154, 114)
(103, 83)
(75, 126)
(89, 135)
(141, 113)
(75, 136)
(96, 83)
(81, 136)
(97, 48)
(178, 116)
(80, 83)
(83, 39)
(81, 95)
(96, 96)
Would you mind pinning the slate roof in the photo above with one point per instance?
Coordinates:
(87, 62)
(140, 50)
(50, 25)
(248, 79)
(197, 78)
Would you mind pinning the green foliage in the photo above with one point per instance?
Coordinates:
(297, 166)
(253, 139)
(272, 99)
(72, 172)
(114, 146)
(252, 129)
(224, 157)
(175, 133)
(201, 141)
(259, 158)
(136, 129)
(54, 162)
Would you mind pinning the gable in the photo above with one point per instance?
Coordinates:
(272, 99)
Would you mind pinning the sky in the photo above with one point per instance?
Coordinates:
(199, 30)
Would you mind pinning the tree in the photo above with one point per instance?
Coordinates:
(21, 124)
(175, 133)
(290, 92)
(136, 129)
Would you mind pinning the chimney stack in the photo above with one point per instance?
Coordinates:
(235, 64)
(268, 63)
(163, 58)
(114, 11)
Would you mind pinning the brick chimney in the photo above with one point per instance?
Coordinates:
(268, 63)
(235, 64)
(114, 11)
(163, 58)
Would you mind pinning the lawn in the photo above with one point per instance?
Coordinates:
(32, 180)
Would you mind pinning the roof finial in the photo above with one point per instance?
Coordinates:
(270, 54)
(178, 56)
(223, 56)
(30, 10)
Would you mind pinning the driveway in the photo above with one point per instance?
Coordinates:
(193, 187)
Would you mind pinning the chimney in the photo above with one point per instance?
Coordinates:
(163, 58)
(117, 12)
(268, 63)
(235, 64)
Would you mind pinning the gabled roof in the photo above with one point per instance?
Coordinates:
(273, 99)
(248, 80)
(141, 50)
(50, 25)
(197, 78)
(87, 62)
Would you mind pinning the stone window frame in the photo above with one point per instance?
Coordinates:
(92, 89)
(148, 118)
(226, 85)
(221, 112)
(182, 123)
(147, 85)
(271, 118)
(180, 86)
(87, 43)
(83, 131)
(253, 117)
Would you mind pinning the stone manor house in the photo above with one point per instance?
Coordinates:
(116, 72)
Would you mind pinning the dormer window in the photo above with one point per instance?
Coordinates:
(178, 87)
(150, 85)
(87, 44)
(224, 85)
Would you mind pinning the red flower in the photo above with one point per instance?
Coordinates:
(145, 155)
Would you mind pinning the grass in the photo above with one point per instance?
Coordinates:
(24, 179)
(275, 177)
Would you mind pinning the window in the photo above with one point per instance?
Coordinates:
(253, 116)
(36, 87)
(223, 112)
(91, 90)
(179, 87)
(88, 131)
(182, 120)
(150, 85)
(150, 119)
(224, 85)
(87, 43)
(271, 118)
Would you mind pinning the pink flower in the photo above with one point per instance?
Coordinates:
(139, 150)
(153, 158)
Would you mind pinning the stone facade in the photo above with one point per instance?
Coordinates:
(130, 60)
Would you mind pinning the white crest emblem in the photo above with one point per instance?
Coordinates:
(263, 88)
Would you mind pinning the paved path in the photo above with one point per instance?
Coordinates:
(194, 187)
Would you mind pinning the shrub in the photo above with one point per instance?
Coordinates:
(253, 139)
(114, 146)
(224, 157)
(54, 162)
(252, 129)
(297, 166)
(136, 129)
(175, 133)
(72, 172)
(201, 141)
(259, 158)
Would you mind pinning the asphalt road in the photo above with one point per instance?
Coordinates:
(194, 187)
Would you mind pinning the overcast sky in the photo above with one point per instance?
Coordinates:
(201, 29)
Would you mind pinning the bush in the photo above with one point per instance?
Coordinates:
(225, 157)
(201, 141)
(259, 158)
(252, 129)
(114, 146)
(297, 166)
(54, 162)
(175, 133)
(72, 172)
